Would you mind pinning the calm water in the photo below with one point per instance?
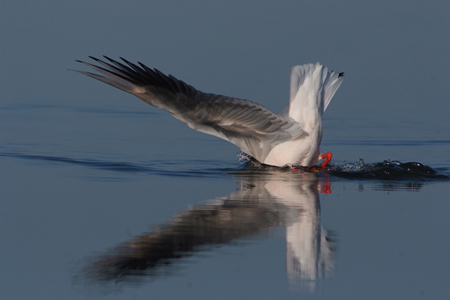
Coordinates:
(103, 196)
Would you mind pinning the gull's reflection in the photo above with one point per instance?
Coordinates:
(263, 201)
(309, 250)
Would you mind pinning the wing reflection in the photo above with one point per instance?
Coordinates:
(262, 202)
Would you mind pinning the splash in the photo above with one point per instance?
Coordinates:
(386, 170)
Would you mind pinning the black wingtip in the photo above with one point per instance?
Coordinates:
(108, 58)
(124, 59)
(341, 74)
(94, 58)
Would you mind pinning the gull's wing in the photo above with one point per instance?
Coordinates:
(248, 125)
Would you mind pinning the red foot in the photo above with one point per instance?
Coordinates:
(327, 157)
(315, 168)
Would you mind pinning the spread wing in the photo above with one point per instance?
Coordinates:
(248, 125)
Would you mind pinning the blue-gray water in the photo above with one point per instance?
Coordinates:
(105, 196)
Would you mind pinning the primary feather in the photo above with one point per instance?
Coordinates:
(253, 128)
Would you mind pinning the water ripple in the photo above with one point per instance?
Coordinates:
(391, 143)
(164, 169)
(386, 170)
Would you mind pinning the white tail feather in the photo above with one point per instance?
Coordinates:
(312, 85)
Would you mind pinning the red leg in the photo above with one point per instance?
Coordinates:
(327, 157)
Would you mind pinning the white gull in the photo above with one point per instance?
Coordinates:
(272, 139)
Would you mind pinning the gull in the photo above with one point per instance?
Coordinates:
(279, 140)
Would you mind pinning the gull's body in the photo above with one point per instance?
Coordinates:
(271, 138)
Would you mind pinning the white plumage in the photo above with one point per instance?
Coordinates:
(271, 138)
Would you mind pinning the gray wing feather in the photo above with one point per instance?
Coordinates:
(248, 125)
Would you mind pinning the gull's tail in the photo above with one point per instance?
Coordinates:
(314, 83)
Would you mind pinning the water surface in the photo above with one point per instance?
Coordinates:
(104, 196)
